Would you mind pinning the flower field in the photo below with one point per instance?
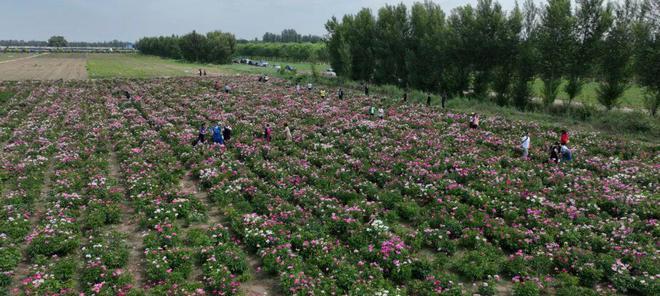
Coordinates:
(102, 195)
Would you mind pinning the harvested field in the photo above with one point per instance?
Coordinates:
(45, 67)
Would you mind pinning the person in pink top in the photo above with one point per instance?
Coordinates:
(268, 132)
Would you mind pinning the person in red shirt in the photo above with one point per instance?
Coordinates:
(564, 137)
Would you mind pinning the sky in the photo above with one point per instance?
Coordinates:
(128, 20)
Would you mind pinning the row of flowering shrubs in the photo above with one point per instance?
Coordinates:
(173, 246)
(28, 137)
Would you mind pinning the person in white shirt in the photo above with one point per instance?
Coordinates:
(287, 132)
(525, 145)
(381, 113)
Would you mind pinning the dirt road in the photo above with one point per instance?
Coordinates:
(45, 67)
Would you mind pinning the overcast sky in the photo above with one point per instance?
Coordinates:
(128, 20)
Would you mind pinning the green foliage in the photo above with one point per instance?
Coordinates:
(290, 36)
(615, 63)
(57, 41)
(214, 47)
(553, 41)
(311, 52)
(647, 54)
(528, 288)
(591, 22)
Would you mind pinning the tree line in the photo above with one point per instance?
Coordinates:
(59, 41)
(486, 51)
(214, 47)
(308, 52)
(290, 36)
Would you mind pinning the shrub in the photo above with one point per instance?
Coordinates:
(528, 288)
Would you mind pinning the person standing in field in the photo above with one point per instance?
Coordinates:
(217, 134)
(428, 100)
(216, 85)
(201, 137)
(366, 89)
(405, 96)
(474, 121)
(340, 94)
(566, 154)
(297, 88)
(555, 151)
(309, 86)
(564, 137)
(287, 132)
(226, 133)
(200, 72)
(444, 99)
(381, 113)
(204, 72)
(322, 93)
(268, 133)
(227, 89)
(524, 145)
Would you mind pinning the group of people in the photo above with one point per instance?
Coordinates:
(219, 134)
(380, 112)
(202, 72)
(264, 78)
(559, 151)
(225, 89)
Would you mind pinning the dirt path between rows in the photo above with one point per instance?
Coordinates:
(260, 283)
(130, 226)
(23, 269)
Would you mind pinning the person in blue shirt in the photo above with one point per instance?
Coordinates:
(217, 135)
(566, 154)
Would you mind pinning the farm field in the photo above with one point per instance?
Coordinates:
(44, 67)
(11, 56)
(144, 66)
(108, 66)
(103, 195)
(633, 97)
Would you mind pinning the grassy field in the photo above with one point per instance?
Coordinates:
(632, 98)
(101, 66)
(11, 56)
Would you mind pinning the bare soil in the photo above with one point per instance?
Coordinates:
(45, 67)
(129, 225)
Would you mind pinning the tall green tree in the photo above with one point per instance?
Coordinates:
(426, 57)
(615, 60)
(592, 20)
(490, 41)
(459, 51)
(390, 45)
(527, 59)
(339, 50)
(361, 37)
(57, 41)
(647, 54)
(220, 47)
(508, 50)
(553, 43)
(193, 47)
